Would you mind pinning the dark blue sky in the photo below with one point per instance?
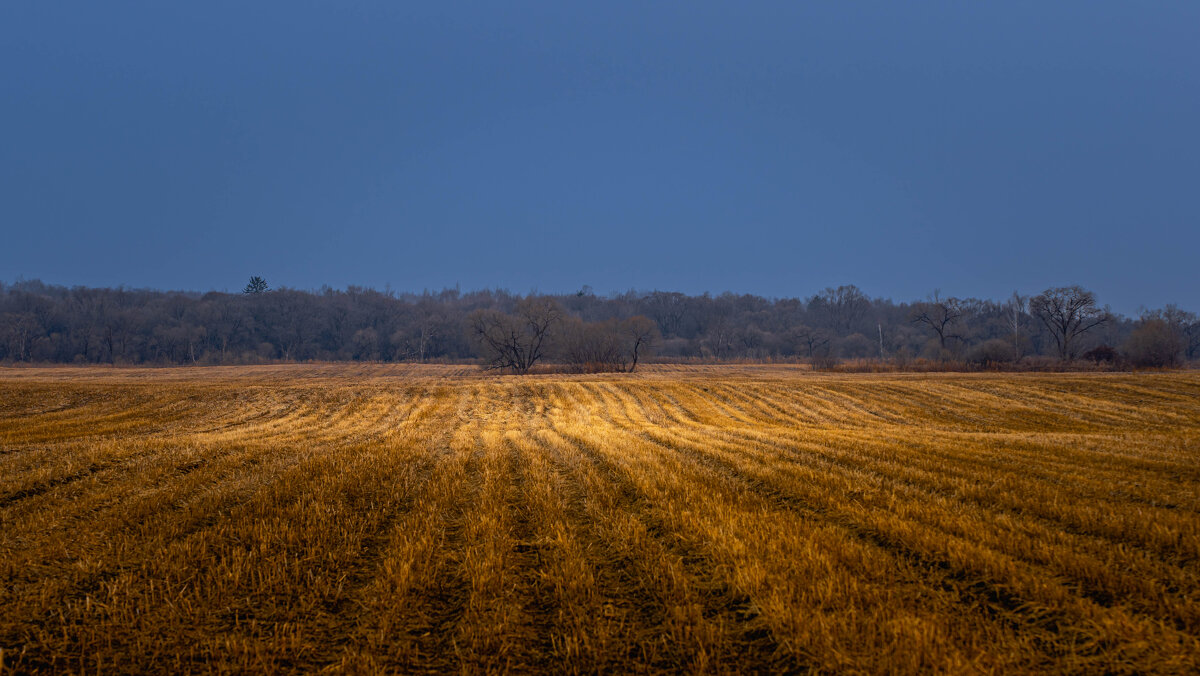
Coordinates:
(772, 148)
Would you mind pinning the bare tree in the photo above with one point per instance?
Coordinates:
(40, 322)
(719, 336)
(939, 314)
(21, 329)
(1155, 342)
(845, 306)
(610, 345)
(589, 346)
(1016, 309)
(1191, 333)
(516, 341)
(813, 340)
(668, 309)
(640, 334)
(1068, 312)
(1184, 323)
(428, 328)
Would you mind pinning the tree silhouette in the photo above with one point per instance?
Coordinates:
(1067, 312)
(256, 285)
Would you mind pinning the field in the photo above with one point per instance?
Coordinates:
(700, 519)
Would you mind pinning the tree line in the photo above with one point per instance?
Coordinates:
(580, 331)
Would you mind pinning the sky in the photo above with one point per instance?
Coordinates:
(974, 148)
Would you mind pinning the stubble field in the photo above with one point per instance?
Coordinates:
(701, 519)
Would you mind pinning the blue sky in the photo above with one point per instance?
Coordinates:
(771, 148)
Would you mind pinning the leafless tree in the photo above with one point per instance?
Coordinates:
(516, 341)
(940, 314)
(428, 327)
(640, 334)
(365, 343)
(21, 330)
(718, 339)
(1016, 309)
(611, 345)
(668, 309)
(1184, 323)
(589, 346)
(845, 306)
(813, 340)
(750, 340)
(1155, 342)
(1067, 312)
(1191, 333)
(40, 322)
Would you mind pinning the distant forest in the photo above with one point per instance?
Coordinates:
(580, 331)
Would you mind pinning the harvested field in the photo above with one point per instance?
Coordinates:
(700, 519)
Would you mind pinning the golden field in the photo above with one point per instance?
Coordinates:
(699, 519)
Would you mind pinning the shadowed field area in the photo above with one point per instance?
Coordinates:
(708, 519)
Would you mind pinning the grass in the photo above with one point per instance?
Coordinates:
(689, 518)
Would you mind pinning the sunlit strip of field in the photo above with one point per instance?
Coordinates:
(748, 518)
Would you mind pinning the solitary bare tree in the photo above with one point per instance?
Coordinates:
(640, 335)
(940, 314)
(1068, 312)
(516, 341)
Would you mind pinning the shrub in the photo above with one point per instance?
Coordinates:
(857, 346)
(613, 345)
(994, 351)
(1101, 354)
(823, 359)
(1155, 343)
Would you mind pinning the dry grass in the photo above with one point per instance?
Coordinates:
(693, 518)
